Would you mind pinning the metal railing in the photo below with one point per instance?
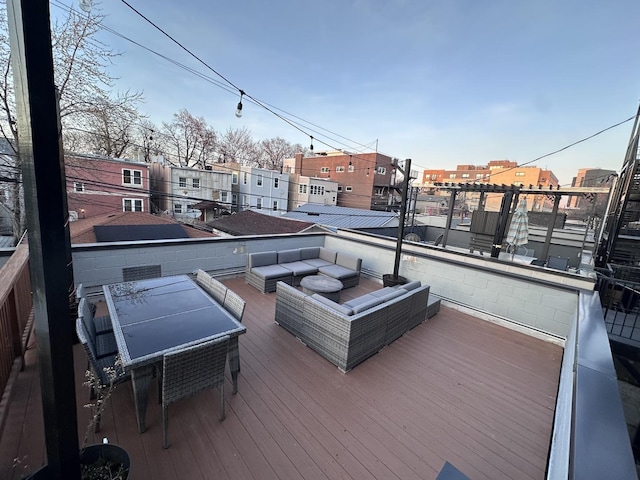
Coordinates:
(619, 291)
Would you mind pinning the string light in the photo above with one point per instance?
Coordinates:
(311, 146)
(350, 162)
(239, 109)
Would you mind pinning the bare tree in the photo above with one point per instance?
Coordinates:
(189, 140)
(80, 62)
(236, 145)
(273, 151)
(111, 124)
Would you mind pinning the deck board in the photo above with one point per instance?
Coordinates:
(455, 388)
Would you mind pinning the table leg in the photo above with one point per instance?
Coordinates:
(234, 362)
(141, 380)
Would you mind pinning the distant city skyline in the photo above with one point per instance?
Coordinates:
(443, 83)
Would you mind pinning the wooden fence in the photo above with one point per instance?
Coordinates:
(15, 313)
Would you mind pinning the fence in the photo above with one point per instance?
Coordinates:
(15, 311)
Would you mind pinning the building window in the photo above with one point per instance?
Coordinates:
(324, 170)
(339, 169)
(302, 189)
(276, 182)
(259, 180)
(245, 204)
(234, 199)
(78, 187)
(478, 175)
(381, 170)
(275, 205)
(131, 205)
(339, 188)
(519, 174)
(348, 188)
(195, 182)
(177, 208)
(244, 178)
(182, 182)
(223, 197)
(434, 177)
(465, 175)
(259, 203)
(131, 177)
(379, 191)
(452, 175)
(351, 168)
(517, 184)
(234, 178)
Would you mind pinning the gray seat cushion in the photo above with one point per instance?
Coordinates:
(317, 262)
(270, 271)
(300, 268)
(338, 271)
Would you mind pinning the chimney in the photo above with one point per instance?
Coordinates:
(298, 165)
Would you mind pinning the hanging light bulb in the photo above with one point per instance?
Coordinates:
(367, 171)
(86, 5)
(239, 109)
(350, 162)
(311, 146)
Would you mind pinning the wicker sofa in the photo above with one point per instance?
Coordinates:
(349, 333)
(265, 269)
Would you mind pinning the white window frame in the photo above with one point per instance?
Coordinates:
(132, 177)
(339, 188)
(259, 203)
(244, 178)
(276, 182)
(134, 202)
(223, 196)
(465, 175)
(234, 178)
(275, 205)
(259, 181)
(452, 175)
(519, 174)
(78, 187)
(234, 199)
(325, 170)
(195, 183)
(340, 169)
(381, 170)
(348, 188)
(351, 169)
(177, 208)
(182, 182)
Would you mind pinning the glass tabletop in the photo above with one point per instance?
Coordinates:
(153, 316)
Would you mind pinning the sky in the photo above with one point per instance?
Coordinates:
(441, 82)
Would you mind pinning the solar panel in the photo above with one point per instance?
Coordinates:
(123, 233)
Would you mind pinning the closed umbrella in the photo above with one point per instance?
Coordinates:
(519, 229)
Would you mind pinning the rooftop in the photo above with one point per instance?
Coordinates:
(436, 394)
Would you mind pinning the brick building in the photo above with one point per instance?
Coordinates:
(365, 180)
(500, 172)
(98, 185)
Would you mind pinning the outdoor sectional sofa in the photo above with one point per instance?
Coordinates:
(265, 269)
(349, 333)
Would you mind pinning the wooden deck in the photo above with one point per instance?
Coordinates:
(455, 389)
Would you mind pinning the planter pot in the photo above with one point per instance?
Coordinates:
(97, 462)
(388, 280)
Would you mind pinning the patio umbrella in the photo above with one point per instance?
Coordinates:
(519, 229)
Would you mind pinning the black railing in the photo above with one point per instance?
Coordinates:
(619, 289)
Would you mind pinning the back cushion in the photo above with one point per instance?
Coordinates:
(411, 285)
(309, 252)
(260, 259)
(288, 256)
(367, 305)
(328, 255)
(330, 303)
(349, 261)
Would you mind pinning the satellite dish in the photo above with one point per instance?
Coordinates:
(412, 237)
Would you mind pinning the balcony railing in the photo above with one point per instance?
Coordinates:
(15, 313)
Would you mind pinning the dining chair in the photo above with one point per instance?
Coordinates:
(192, 370)
(106, 371)
(234, 304)
(213, 287)
(105, 343)
(102, 323)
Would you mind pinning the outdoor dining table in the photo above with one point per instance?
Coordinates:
(156, 316)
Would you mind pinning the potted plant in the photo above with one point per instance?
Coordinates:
(103, 461)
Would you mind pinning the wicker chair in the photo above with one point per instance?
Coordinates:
(105, 343)
(213, 287)
(103, 323)
(234, 304)
(190, 371)
(100, 367)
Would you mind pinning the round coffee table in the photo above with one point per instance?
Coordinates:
(322, 285)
